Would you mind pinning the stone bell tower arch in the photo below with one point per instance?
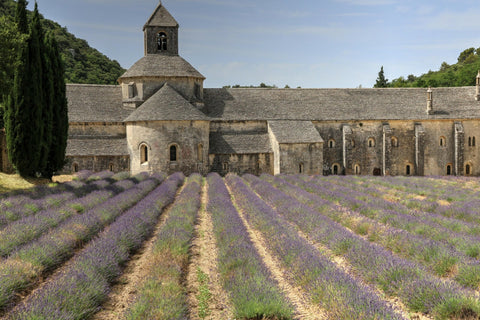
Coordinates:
(161, 33)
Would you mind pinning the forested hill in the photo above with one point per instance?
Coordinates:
(462, 73)
(83, 64)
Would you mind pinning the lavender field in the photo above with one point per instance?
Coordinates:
(115, 246)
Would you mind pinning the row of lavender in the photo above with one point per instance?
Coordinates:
(443, 244)
(35, 245)
(326, 284)
(404, 264)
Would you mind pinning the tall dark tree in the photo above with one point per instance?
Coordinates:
(45, 99)
(23, 113)
(381, 81)
(21, 16)
(59, 128)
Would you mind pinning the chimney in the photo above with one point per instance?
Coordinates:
(430, 101)
(477, 96)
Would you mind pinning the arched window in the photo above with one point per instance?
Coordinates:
(356, 169)
(162, 41)
(200, 152)
(471, 141)
(143, 153)
(225, 166)
(449, 169)
(443, 141)
(301, 168)
(173, 153)
(110, 166)
(408, 170)
(75, 167)
(371, 142)
(331, 143)
(335, 169)
(468, 169)
(394, 142)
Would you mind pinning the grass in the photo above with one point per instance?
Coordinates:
(14, 182)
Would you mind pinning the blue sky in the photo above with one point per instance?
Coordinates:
(307, 43)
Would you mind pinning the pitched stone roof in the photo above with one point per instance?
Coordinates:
(95, 103)
(97, 146)
(158, 65)
(340, 104)
(166, 104)
(294, 131)
(239, 143)
(161, 18)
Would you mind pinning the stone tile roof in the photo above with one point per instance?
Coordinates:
(97, 146)
(158, 65)
(222, 143)
(294, 131)
(161, 18)
(95, 103)
(166, 104)
(340, 104)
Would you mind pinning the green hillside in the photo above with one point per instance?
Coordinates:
(83, 64)
(462, 73)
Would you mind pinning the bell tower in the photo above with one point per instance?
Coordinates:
(161, 33)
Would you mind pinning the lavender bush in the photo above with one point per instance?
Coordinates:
(395, 276)
(79, 290)
(56, 246)
(327, 285)
(253, 291)
(441, 259)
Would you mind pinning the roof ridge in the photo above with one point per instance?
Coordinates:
(92, 85)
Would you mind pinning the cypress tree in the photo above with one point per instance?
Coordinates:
(59, 133)
(45, 99)
(21, 16)
(25, 108)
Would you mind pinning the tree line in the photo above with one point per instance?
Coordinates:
(83, 64)
(35, 109)
(462, 73)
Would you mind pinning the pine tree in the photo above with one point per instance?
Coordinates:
(381, 81)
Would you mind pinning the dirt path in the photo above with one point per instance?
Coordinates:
(204, 257)
(304, 309)
(136, 270)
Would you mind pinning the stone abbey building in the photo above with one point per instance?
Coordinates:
(160, 118)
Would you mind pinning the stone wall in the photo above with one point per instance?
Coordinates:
(239, 126)
(150, 39)
(241, 163)
(97, 129)
(96, 164)
(305, 158)
(159, 136)
(146, 87)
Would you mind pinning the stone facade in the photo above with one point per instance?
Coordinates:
(161, 118)
(171, 146)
